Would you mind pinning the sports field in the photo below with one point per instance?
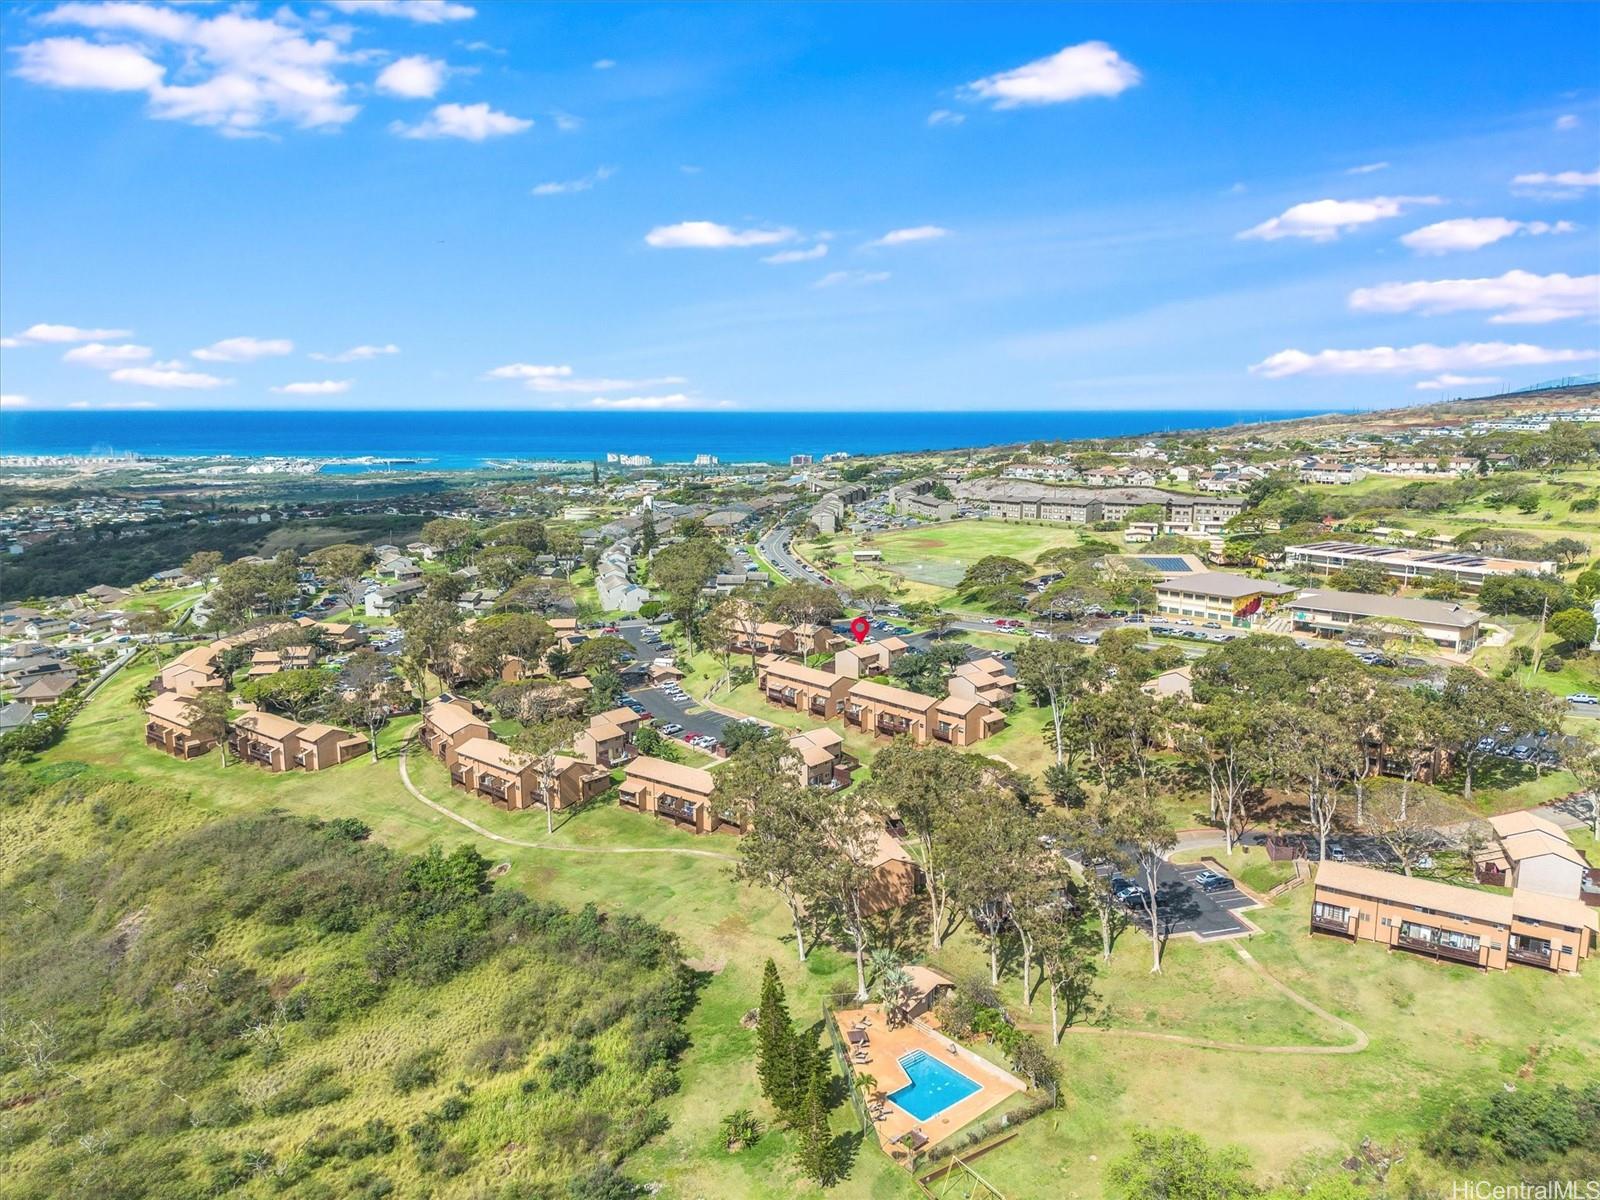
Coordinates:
(937, 556)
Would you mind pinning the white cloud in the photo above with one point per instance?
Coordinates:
(357, 354)
(565, 187)
(103, 357)
(243, 349)
(1074, 73)
(1325, 220)
(943, 116)
(322, 387)
(1440, 382)
(1515, 298)
(1567, 121)
(820, 250)
(471, 122)
(154, 377)
(917, 233)
(1410, 360)
(170, 364)
(422, 12)
(1473, 233)
(35, 335)
(634, 403)
(13, 400)
(850, 278)
(1555, 185)
(74, 63)
(566, 122)
(241, 72)
(1367, 168)
(553, 379)
(604, 64)
(415, 77)
(708, 235)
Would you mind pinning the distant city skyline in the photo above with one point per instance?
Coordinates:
(383, 204)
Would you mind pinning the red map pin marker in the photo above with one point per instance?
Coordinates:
(860, 627)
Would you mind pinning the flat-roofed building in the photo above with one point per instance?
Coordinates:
(823, 760)
(1449, 923)
(169, 727)
(447, 724)
(1469, 570)
(963, 720)
(890, 711)
(1017, 500)
(1332, 614)
(674, 793)
(511, 780)
(810, 690)
(1217, 596)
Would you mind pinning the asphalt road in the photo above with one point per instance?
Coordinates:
(662, 707)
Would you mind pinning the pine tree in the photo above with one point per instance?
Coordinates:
(647, 532)
(594, 473)
(816, 1143)
(775, 1045)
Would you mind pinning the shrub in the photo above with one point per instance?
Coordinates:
(1528, 1125)
(415, 1071)
(571, 1068)
(315, 1088)
(740, 1129)
(504, 1052)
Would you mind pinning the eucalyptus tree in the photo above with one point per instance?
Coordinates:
(541, 745)
(1056, 673)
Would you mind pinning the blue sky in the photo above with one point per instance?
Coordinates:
(453, 205)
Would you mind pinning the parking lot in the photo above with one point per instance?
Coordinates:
(1184, 907)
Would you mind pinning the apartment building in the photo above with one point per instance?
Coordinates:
(1333, 614)
(510, 780)
(865, 659)
(1016, 500)
(1533, 854)
(963, 720)
(189, 674)
(819, 693)
(823, 760)
(675, 793)
(896, 878)
(608, 742)
(1468, 570)
(278, 744)
(1217, 596)
(890, 711)
(447, 724)
(169, 727)
(983, 679)
(1451, 924)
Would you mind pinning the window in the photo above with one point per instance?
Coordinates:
(1329, 912)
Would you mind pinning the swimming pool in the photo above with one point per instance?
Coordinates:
(934, 1086)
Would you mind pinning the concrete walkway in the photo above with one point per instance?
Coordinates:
(468, 822)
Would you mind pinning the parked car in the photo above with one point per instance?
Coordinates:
(1336, 851)
(671, 728)
(1210, 881)
(1582, 698)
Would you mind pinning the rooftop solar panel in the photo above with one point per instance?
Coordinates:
(1162, 562)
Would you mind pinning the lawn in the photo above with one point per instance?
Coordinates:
(1250, 867)
(1431, 1025)
(931, 559)
(1578, 673)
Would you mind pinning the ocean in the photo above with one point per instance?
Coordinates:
(461, 440)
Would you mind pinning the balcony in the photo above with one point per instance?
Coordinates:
(628, 795)
(854, 716)
(1534, 952)
(1331, 923)
(893, 726)
(783, 696)
(676, 808)
(943, 732)
(1438, 949)
(153, 737)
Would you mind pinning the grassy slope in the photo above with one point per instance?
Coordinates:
(1416, 1012)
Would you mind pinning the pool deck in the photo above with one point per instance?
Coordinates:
(888, 1046)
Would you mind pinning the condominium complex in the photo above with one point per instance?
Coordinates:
(1469, 570)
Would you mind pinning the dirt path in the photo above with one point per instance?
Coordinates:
(1359, 1041)
(405, 778)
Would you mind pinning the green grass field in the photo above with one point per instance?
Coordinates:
(937, 555)
(1430, 1025)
